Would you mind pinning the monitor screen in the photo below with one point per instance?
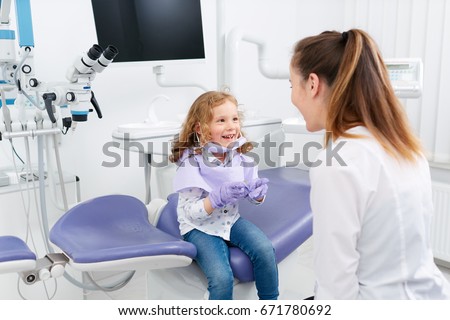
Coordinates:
(150, 30)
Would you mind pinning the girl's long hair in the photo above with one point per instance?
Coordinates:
(199, 116)
(361, 91)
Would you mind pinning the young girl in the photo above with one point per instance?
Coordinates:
(212, 175)
(372, 210)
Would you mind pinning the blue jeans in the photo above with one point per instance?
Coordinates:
(213, 257)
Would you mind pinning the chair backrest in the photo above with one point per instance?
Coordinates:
(112, 228)
(168, 220)
(91, 224)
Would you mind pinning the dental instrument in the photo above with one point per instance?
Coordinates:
(39, 111)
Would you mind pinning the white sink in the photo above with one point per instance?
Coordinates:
(149, 127)
(146, 137)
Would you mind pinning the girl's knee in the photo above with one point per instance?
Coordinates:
(265, 248)
(221, 286)
(222, 279)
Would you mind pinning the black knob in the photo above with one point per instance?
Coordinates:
(70, 96)
(34, 82)
(26, 69)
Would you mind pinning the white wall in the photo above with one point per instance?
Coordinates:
(402, 28)
(65, 28)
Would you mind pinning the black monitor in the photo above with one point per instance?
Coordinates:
(150, 30)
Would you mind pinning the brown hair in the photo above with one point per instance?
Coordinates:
(201, 114)
(361, 91)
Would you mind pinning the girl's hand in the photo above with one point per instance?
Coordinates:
(227, 193)
(257, 188)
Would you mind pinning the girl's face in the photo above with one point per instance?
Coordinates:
(307, 95)
(224, 125)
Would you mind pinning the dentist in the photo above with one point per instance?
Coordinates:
(373, 210)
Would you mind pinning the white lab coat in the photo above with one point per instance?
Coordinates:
(372, 217)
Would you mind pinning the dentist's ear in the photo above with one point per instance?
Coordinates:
(314, 83)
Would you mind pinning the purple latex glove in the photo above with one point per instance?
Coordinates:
(227, 193)
(257, 188)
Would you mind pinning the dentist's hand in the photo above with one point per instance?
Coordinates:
(257, 188)
(227, 193)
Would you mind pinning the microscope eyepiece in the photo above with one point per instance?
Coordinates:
(110, 52)
(95, 52)
(106, 58)
(95, 59)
